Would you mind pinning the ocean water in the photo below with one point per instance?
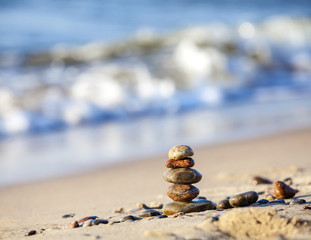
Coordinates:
(87, 83)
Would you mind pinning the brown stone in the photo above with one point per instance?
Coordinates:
(182, 176)
(260, 180)
(223, 204)
(182, 192)
(243, 199)
(30, 233)
(182, 163)
(82, 220)
(98, 221)
(196, 205)
(283, 191)
(149, 213)
(73, 224)
(180, 152)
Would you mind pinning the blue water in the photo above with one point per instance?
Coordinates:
(83, 82)
(39, 24)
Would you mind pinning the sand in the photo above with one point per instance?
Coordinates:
(227, 169)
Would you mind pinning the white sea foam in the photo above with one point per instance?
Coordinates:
(201, 67)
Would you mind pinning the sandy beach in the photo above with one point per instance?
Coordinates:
(227, 169)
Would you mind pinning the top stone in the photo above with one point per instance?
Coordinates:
(180, 152)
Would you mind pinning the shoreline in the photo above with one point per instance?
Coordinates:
(99, 146)
(226, 169)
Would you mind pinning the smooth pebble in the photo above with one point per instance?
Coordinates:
(30, 233)
(288, 181)
(73, 224)
(182, 176)
(182, 192)
(155, 205)
(187, 207)
(180, 152)
(149, 213)
(100, 221)
(243, 199)
(270, 197)
(70, 215)
(223, 204)
(182, 163)
(82, 220)
(130, 218)
(277, 201)
(87, 223)
(262, 201)
(283, 191)
(297, 201)
(260, 180)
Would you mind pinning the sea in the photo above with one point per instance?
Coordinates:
(89, 83)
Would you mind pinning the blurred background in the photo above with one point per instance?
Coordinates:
(88, 83)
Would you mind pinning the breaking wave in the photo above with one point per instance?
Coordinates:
(211, 66)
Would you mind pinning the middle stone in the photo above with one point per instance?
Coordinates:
(182, 192)
(182, 176)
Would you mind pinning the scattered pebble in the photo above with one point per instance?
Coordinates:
(307, 207)
(159, 234)
(82, 220)
(270, 197)
(87, 223)
(149, 213)
(114, 222)
(134, 210)
(178, 214)
(182, 163)
(182, 192)
(297, 201)
(260, 180)
(180, 152)
(283, 191)
(216, 218)
(155, 205)
(30, 233)
(162, 216)
(277, 201)
(99, 221)
(73, 224)
(201, 197)
(70, 215)
(288, 181)
(119, 210)
(262, 201)
(223, 204)
(243, 199)
(182, 176)
(86, 234)
(130, 218)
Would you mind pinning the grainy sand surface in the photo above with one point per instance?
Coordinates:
(227, 170)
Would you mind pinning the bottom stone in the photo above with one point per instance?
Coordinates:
(196, 205)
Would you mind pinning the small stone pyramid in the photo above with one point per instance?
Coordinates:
(183, 176)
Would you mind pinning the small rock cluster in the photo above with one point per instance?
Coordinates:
(239, 200)
(182, 192)
(86, 222)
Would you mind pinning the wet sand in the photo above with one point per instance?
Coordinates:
(226, 168)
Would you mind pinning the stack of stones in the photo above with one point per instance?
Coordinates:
(183, 176)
